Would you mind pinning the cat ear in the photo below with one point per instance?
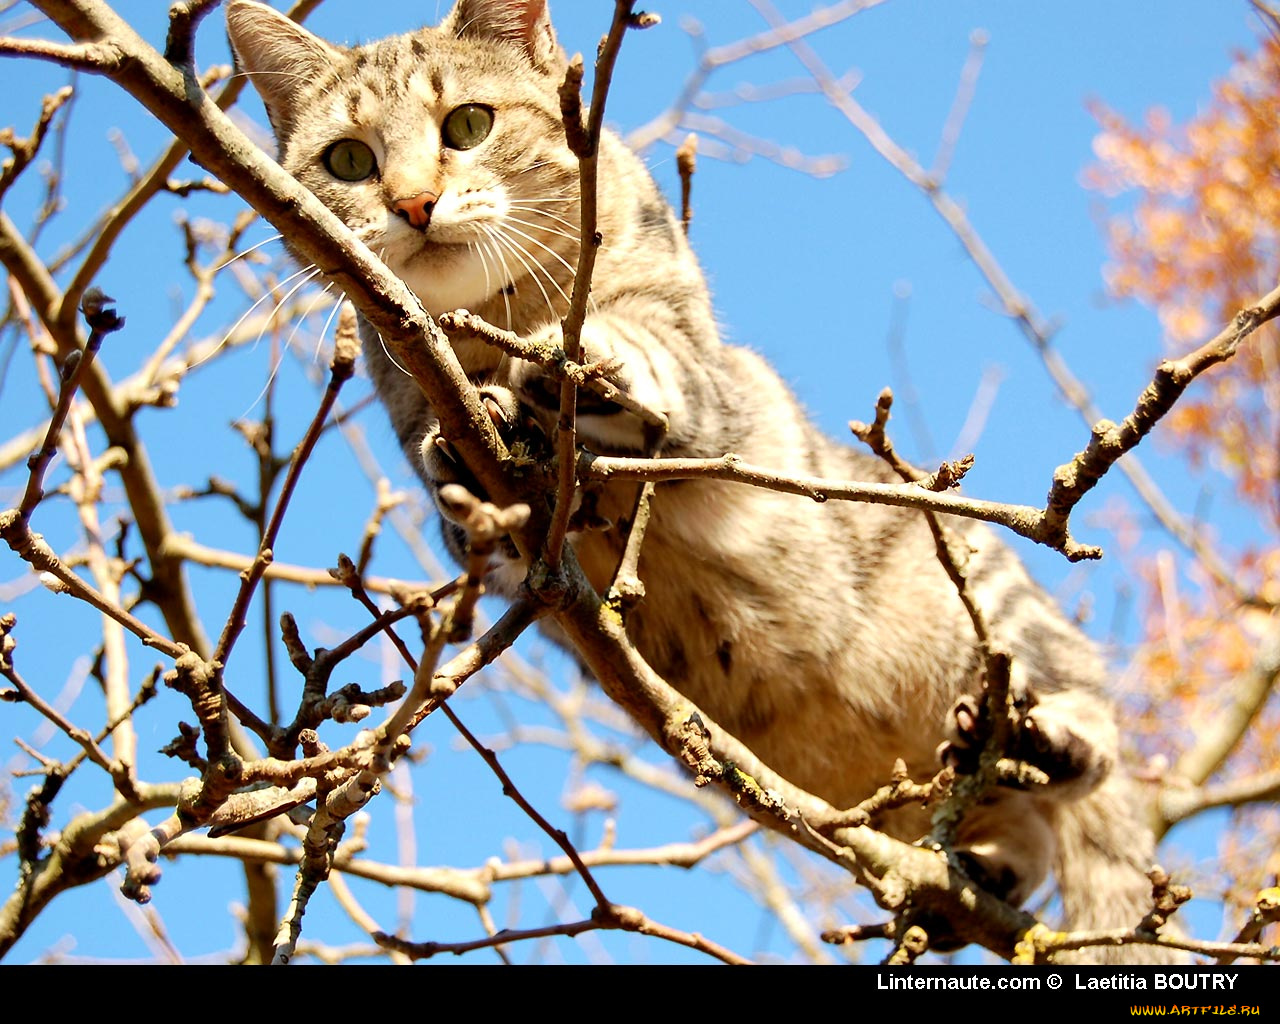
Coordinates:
(526, 23)
(277, 54)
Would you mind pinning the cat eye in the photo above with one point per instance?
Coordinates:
(467, 126)
(350, 160)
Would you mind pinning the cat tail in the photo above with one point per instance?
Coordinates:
(1104, 857)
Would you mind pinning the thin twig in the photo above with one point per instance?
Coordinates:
(83, 737)
(1110, 441)
(509, 789)
(613, 916)
(1266, 910)
(25, 150)
(686, 165)
(97, 57)
(184, 547)
(951, 130)
(1024, 520)
(995, 730)
(584, 141)
(102, 320)
(342, 368)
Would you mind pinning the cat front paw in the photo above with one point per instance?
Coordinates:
(524, 438)
(526, 444)
(1069, 736)
(604, 426)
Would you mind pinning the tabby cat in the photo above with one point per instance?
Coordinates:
(826, 637)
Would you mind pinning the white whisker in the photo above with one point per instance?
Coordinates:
(532, 266)
(560, 259)
(240, 255)
(311, 272)
(280, 74)
(288, 343)
(506, 273)
(572, 233)
(328, 322)
(287, 296)
(474, 246)
(537, 211)
(540, 227)
(387, 352)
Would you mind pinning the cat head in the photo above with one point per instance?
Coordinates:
(442, 149)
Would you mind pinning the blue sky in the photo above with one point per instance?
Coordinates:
(810, 271)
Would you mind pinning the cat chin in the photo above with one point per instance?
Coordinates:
(441, 285)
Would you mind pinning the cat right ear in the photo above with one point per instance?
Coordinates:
(526, 23)
(278, 55)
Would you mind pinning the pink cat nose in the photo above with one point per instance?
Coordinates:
(416, 209)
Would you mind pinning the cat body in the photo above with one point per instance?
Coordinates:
(826, 637)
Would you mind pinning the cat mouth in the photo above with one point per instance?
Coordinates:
(406, 252)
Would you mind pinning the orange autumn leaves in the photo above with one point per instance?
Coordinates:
(1202, 240)
(1198, 239)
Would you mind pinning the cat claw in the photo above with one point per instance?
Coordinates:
(496, 413)
(1034, 738)
(964, 739)
(967, 713)
(446, 449)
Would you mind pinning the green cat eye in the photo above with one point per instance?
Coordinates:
(350, 160)
(467, 126)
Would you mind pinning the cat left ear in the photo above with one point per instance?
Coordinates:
(526, 23)
(277, 54)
